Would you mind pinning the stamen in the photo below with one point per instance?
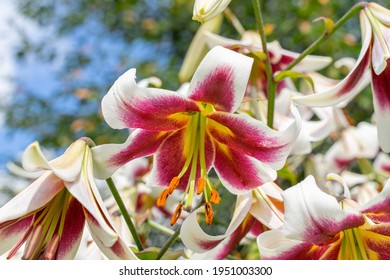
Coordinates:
(201, 185)
(176, 214)
(52, 247)
(162, 198)
(20, 243)
(173, 184)
(209, 213)
(214, 197)
(32, 243)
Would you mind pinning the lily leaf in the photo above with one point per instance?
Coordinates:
(294, 75)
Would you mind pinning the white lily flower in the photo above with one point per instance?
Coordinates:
(50, 214)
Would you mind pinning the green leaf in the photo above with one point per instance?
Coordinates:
(151, 253)
(294, 75)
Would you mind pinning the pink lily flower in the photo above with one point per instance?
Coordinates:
(371, 64)
(319, 226)
(191, 133)
(250, 44)
(50, 214)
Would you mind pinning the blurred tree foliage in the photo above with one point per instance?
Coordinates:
(153, 36)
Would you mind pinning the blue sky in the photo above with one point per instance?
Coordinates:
(34, 76)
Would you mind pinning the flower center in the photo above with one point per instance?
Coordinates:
(44, 235)
(196, 165)
(352, 246)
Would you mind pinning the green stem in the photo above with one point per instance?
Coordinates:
(271, 85)
(124, 212)
(351, 12)
(168, 243)
(159, 227)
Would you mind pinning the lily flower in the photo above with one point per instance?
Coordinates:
(371, 64)
(382, 164)
(250, 44)
(319, 226)
(193, 132)
(205, 10)
(254, 212)
(354, 143)
(50, 214)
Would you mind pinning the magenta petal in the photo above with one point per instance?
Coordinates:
(73, 231)
(217, 89)
(12, 231)
(129, 106)
(171, 156)
(157, 112)
(273, 245)
(252, 138)
(227, 246)
(377, 208)
(221, 79)
(108, 158)
(238, 172)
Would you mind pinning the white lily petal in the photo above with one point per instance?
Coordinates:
(379, 12)
(350, 86)
(314, 216)
(382, 164)
(115, 251)
(264, 209)
(273, 243)
(198, 241)
(379, 202)
(33, 158)
(309, 63)
(66, 166)
(85, 191)
(32, 198)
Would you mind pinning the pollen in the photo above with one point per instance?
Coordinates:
(176, 215)
(162, 198)
(173, 184)
(201, 185)
(214, 197)
(208, 212)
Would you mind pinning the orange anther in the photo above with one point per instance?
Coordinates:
(214, 197)
(162, 198)
(201, 184)
(173, 184)
(209, 213)
(176, 214)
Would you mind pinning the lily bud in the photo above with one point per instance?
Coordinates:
(204, 10)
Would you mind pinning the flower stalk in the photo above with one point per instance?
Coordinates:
(271, 85)
(124, 212)
(168, 243)
(348, 15)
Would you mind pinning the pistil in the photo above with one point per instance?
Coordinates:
(196, 157)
